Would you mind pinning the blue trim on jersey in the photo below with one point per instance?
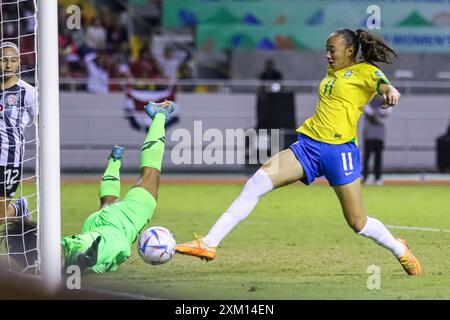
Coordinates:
(339, 163)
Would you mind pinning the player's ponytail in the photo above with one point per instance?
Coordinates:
(373, 47)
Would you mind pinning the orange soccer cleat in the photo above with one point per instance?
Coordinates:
(409, 262)
(197, 248)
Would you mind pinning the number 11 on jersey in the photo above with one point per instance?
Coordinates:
(347, 161)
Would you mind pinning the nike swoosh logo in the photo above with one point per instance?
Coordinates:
(348, 173)
(109, 178)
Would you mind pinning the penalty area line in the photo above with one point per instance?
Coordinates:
(419, 229)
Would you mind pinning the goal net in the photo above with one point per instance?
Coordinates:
(28, 33)
(18, 137)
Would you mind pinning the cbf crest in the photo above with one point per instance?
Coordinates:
(348, 74)
(379, 74)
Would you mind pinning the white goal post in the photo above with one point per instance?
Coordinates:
(49, 145)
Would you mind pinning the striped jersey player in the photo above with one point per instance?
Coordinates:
(17, 110)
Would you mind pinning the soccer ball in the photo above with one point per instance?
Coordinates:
(156, 245)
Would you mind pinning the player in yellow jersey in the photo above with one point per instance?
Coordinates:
(326, 146)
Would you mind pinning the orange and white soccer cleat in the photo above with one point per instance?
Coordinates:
(197, 248)
(408, 261)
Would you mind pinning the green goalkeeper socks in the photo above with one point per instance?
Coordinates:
(152, 151)
(110, 183)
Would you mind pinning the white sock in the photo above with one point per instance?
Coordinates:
(16, 210)
(258, 185)
(376, 231)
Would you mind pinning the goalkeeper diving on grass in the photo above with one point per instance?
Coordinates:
(107, 235)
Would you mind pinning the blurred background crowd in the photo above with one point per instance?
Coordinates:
(114, 43)
(255, 55)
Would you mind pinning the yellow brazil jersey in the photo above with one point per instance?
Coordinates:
(342, 97)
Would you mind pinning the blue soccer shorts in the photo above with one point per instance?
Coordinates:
(339, 163)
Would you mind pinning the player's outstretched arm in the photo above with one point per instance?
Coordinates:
(390, 95)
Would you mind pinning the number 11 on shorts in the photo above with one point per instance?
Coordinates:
(347, 161)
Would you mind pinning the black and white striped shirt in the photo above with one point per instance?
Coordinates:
(17, 110)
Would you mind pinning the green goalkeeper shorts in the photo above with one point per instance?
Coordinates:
(118, 224)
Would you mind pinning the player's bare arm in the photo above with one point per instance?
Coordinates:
(390, 95)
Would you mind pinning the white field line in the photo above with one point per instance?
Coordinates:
(119, 295)
(419, 229)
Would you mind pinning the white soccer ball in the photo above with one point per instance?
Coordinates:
(156, 245)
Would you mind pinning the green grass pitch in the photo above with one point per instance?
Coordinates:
(295, 244)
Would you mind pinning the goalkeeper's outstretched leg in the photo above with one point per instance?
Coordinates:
(107, 234)
(109, 191)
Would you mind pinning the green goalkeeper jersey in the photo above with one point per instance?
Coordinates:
(118, 224)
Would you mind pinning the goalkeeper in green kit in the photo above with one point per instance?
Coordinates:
(107, 234)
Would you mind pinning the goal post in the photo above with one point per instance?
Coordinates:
(49, 144)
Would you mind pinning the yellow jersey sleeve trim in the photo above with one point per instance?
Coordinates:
(381, 81)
